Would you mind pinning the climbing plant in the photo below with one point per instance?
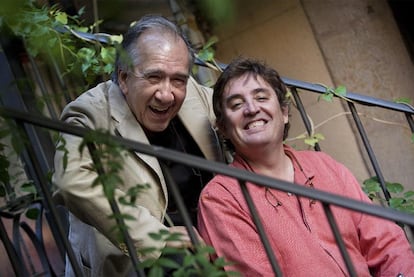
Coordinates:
(52, 36)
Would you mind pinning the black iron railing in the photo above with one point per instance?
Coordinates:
(327, 199)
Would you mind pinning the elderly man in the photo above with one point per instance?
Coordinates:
(151, 99)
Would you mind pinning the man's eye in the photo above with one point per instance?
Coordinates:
(179, 83)
(261, 98)
(235, 105)
(153, 79)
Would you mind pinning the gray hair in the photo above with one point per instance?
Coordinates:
(127, 53)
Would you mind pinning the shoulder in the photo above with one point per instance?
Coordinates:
(220, 186)
(89, 107)
(203, 93)
(313, 159)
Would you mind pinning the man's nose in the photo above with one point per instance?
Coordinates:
(164, 92)
(251, 108)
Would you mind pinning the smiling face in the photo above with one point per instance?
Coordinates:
(156, 87)
(253, 117)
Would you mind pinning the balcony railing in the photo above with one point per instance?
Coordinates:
(36, 158)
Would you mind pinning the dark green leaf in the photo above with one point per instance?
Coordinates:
(33, 213)
(169, 263)
(409, 194)
(394, 187)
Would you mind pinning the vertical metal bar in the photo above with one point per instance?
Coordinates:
(410, 121)
(42, 87)
(173, 189)
(120, 222)
(16, 263)
(303, 114)
(369, 150)
(47, 201)
(339, 240)
(260, 229)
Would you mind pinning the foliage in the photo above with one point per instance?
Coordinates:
(183, 262)
(330, 93)
(401, 200)
(57, 38)
(406, 101)
(16, 202)
(52, 35)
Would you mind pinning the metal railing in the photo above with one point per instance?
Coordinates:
(24, 119)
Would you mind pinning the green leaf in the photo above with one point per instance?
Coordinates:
(155, 236)
(403, 100)
(116, 38)
(62, 17)
(409, 194)
(211, 41)
(394, 187)
(396, 202)
(108, 54)
(206, 55)
(29, 187)
(341, 91)
(311, 141)
(319, 136)
(2, 190)
(156, 271)
(165, 262)
(33, 213)
(327, 97)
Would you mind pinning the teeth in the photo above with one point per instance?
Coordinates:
(255, 124)
(159, 109)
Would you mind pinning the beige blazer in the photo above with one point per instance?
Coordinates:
(91, 233)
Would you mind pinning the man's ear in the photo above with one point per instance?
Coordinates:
(122, 81)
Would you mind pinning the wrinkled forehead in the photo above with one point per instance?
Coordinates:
(153, 46)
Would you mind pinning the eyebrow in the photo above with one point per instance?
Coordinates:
(163, 73)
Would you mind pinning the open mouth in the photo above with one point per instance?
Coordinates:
(255, 124)
(159, 110)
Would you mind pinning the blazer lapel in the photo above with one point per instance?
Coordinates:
(129, 128)
(195, 119)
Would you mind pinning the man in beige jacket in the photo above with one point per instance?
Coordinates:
(151, 99)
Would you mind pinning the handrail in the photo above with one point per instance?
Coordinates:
(318, 88)
(363, 99)
(220, 168)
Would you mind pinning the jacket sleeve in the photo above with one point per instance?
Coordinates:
(382, 242)
(87, 202)
(221, 215)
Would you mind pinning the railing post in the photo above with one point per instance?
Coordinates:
(338, 239)
(303, 114)
(120, 222)
(370, 152)
(48, 203)
(260, 229)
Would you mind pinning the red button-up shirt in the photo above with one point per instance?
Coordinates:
(297, 227)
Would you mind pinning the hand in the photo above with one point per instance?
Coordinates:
(184, 241)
